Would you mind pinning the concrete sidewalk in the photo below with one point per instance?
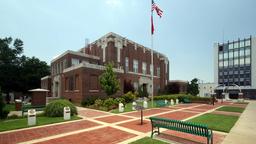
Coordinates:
(244, 131)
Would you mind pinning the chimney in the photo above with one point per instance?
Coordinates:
(86, 43)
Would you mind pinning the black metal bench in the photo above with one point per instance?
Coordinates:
(181, 126)
(161, 103)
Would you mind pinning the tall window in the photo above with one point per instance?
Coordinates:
(225, 63)
(236, 62)
(241, 43)
(220, 56)
(158, 71)
(230, 54)
(135, 85)
(151, 69)
(74, 61)
(247, 60)
(236, 54)
(135, 66)
(247, 52)
(225, 55)
(144, 68)
(247, 42)
(126, 64)
(241, 52)
(76, 82)
(236, 45)
(241, 61)
(230, 46)
(71, 83)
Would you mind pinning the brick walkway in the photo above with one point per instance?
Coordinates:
(103, 127)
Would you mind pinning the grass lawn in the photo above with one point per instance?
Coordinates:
(231, 109)
(128, 107)
(148, 140)
(217, 122)
(10, 107)
(11, 124)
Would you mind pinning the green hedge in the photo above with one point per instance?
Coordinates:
(181, 98)
(55, 108)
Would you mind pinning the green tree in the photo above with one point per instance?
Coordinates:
(193, 87)
(32, 70)
(108, 80)
(17, 72)
(10, 52)
(142, 91)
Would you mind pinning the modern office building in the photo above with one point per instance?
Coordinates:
(75, 74)
(235, 67)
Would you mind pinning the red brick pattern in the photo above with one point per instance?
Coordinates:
(208, 107)
(136, 125)
(197, 110)
(148, 112)
(113, 119)
(91, 113)
(178, 115)
(186, 138)
(107, 135)
(36, 133)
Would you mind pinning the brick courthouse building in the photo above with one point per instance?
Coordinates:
(75, 74)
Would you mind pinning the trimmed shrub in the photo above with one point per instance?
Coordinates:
(181, 98)
(98, 102)
(55, 108)
(128, 97)
(110, 103)
(88, 101)
(120, 100)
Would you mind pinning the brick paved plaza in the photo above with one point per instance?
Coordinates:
(108, 128)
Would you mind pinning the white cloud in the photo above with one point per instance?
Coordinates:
(114, 3)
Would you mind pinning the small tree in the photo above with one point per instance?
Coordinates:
(108, 80)
(142, 92)
(193, 87)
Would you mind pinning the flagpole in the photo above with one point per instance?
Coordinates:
(152, 57)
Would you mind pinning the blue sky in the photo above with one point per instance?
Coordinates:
(186, 32)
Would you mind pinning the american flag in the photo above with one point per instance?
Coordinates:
(159, 13)
(157, 9)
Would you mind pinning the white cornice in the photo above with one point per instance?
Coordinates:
(92, 66)
(75, 53)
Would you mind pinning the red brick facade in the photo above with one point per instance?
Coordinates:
(75, 75)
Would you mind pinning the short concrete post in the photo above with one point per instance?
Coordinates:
(31, 117)
(134, 105)
(166, 101)
(66, 113)
(145, 104)
(172, 102)
(177, 101)
(121, 107)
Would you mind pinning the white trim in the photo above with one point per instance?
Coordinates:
(46, 77)
(92, 66)
(75, 53)
(141, 74)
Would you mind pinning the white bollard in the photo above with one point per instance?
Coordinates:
(134, 105)
(31, 117)
(166, 102)
(121, 107)
(145, 104)
(172, 102)
(177, 101)
(66, 113)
